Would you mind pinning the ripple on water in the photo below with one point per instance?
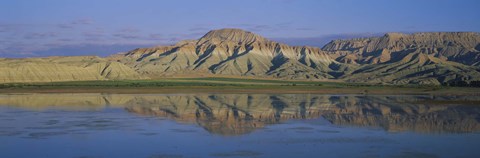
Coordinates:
(10, 133)
(238, 153)
(183, 130)
(40, 135)
(301, 128)
(328, 131)
(51, 122)
(334, 140)
(166, 156)
(149, 133)
(414, 154)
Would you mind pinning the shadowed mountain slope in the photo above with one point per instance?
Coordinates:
(230, 52)
(420, 58)
(452, 46)
(395, 58)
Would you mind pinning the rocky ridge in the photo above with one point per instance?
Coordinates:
(395, 58)
(230, 52)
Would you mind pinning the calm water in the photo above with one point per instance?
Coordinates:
(238, 125)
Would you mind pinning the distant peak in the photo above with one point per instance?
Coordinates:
(232, 34)
(394, 34)
(229, 30)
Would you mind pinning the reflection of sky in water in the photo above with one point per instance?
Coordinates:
(108, 129)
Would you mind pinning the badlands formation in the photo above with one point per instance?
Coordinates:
(395, 58)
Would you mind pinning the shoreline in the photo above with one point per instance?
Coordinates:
(241, 90)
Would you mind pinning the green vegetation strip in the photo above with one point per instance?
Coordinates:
(207, 82)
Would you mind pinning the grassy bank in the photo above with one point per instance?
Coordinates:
(225, 85)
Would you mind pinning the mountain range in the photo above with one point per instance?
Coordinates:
(395, 58)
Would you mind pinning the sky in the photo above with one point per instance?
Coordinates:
(36, 28)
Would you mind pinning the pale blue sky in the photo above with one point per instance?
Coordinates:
(100, 27)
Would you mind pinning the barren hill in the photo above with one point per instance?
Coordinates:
(63, 69)
(462, 47)
(420, 58)
(230, 52)
(395, 58)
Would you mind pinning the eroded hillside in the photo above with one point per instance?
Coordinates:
(64, 69)
(395, 58)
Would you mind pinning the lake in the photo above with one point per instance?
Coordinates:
(86, 125)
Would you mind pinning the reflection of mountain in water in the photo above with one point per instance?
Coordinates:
(232, 114)
(406, 113)
(235, 114)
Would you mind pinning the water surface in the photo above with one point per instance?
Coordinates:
(238, 125)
